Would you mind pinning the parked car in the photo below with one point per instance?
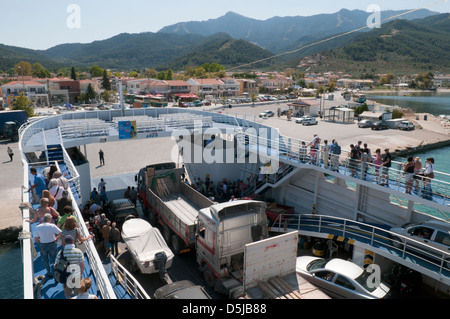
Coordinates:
(406, 126)
(364, 123)
(340, 278)
(182, 104)
(181, 290)
(206, 103)
(425, 236)
(310, 121)
(301, 119)
(379, 126)
(267, 114)
(119, 210)
(198, 103)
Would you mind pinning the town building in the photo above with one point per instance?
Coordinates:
(204, 87)
(35, 91)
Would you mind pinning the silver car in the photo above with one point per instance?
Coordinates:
(340, 279)
(424, 237)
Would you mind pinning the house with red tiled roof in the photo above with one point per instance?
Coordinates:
(203, 87)
(178, 87)
(35, 91)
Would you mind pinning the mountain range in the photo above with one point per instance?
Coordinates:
(234, 40)
(279, 34)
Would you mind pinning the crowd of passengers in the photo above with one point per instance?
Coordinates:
(58, 230)
(360, 159)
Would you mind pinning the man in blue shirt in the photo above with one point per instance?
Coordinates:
(38, 185)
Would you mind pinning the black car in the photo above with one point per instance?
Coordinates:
(379, 126)
(118, 210)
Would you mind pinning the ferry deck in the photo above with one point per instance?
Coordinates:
(358, 209)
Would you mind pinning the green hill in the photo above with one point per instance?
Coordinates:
(224, 50)
(400, 46)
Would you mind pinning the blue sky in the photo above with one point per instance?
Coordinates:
(43, 24)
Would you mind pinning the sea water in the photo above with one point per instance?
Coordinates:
(435, 103)
(11, 273)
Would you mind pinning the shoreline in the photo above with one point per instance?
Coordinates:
(439, 90)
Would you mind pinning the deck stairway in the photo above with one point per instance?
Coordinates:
(55, 153)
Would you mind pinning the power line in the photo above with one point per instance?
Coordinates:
(338, 36)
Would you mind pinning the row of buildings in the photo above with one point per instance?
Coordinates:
(45, 92)
(54, 91)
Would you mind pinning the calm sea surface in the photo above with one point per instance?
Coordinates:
(432, 102)
(11, 278)
(11, 286)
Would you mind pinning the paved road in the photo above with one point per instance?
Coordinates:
(11, 180)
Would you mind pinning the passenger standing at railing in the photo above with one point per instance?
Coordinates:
(387, 163)
(364, 163)
(335, 157)
(303, 152)
(326, 149)
(315, 145)
(408, 169)
(353, 161)
(417, 170)
(378, 160)
(429, 175)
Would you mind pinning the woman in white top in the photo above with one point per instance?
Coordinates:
(429, 170)
(85, 285)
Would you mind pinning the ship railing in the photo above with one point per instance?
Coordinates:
(95, 263)
(300, 152)
(26, 238)
(399, 247)
(127, 281)
(83, 128)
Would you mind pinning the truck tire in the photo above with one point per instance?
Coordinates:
(208, 275)
(175, 242)
(166, 233)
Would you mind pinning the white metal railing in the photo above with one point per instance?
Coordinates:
(26, 242)
(292, 150)
(127, 281)
(409, 249)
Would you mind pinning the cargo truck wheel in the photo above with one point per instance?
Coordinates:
(207, 274)
(175, 242)
(166, 233)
